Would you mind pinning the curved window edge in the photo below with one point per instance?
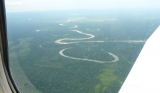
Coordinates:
(6, 82)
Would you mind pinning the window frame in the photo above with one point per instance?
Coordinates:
(10, 86)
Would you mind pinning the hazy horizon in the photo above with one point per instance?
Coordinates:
(46, 5)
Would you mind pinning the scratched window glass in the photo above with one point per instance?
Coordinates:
(76, 46)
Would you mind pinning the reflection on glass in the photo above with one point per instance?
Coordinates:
(75, 49)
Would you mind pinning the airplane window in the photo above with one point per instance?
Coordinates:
(76, 46)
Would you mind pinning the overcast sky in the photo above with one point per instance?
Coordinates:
(38, 5)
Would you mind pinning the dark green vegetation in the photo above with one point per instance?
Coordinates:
(37, 54)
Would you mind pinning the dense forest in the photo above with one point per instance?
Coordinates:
(37, 66)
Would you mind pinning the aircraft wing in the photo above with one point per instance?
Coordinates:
(144, 76)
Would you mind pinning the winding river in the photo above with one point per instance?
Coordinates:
(90, 36)
(77, 40)
(98, 61)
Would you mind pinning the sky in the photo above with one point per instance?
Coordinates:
(39, 5)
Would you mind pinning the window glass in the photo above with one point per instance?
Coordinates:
(76, 46)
